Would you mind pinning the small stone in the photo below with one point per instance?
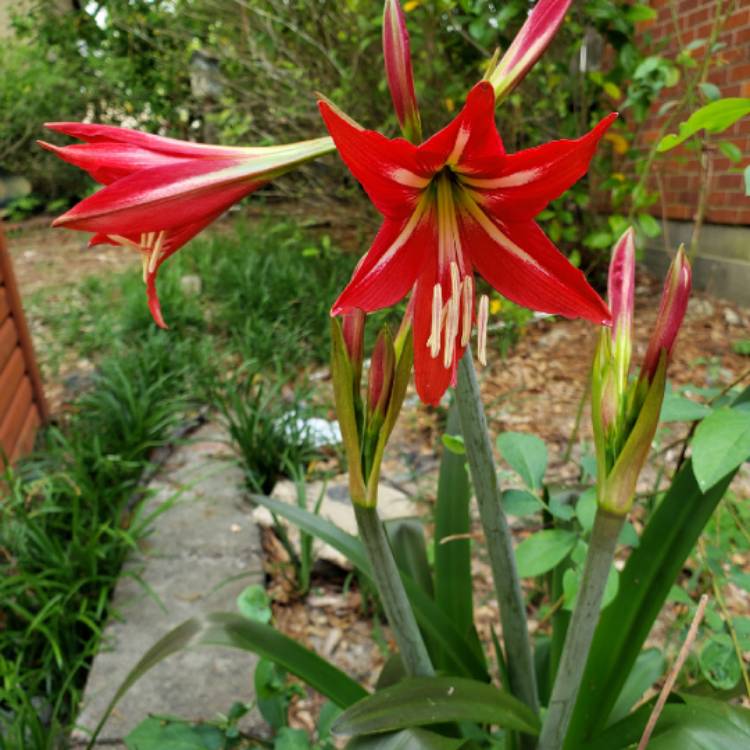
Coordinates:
(700, 308)
(191, 285)
(731, 317)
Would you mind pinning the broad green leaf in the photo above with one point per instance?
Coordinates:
(731, 151)
(526, 455)
(720, 445)
(639, 12)
(432, 700)
(155, 733)
(455, 444)
(676, 408)
(586, 509)
(407, 739)
(235, 631)
(649, 225)
(453, 585)
(543, 550)
(718, 662)
(697, 724)
(255, 604)
(521, 503)
(713, 118)
(572, 580)
(648, 668)
(710, 90)
(291, 739)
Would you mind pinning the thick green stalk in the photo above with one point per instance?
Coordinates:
(497, 534)
(392, 594)
(581, 629)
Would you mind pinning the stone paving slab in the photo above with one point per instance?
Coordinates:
(204, 549)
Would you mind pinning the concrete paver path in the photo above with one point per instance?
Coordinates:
(203, 551)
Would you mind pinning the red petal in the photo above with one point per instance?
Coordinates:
(530, 179)
(92, 133)
(387, 169)
(107, 162)
(431, 378)
(522, 264)
(389, 269)
(472, 136)
(162, 197)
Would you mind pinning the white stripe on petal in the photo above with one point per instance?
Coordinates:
(409, 178)
(516, 179)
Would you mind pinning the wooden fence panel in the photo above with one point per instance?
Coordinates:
(22, 404)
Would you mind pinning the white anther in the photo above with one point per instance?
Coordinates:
(451, 329)
(437, 318)
(467, 297)
(455, 280)
(156, 253)
(482, 316)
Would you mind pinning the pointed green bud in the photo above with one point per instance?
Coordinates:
(380, 381)
(353, 328)
(617, 491)
(343, 376)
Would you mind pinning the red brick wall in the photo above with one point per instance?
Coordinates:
(680, 170)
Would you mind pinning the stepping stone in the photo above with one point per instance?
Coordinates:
(203, 550)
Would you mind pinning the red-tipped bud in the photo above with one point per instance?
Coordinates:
(398, 70)
(674, 300)
(353, 330)
(621, 284)
(541, 25)
(382, 368)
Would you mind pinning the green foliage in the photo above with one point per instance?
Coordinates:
(66, 525)
(720, 445)
(714, 117)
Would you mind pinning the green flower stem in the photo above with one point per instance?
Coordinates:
(497, 534)
(581, 629)
(392, 594)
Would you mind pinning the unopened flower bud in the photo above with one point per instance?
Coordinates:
(382, 366)
(398, 70)
(353, 330)
(621, 294)
(535, 35)
(674, 300)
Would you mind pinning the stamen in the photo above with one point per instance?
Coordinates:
(124, 241)
(482, 316)
(144, 261)
(467, 297)
(455, 280)
(451, 331)
(437, 318)
(156, 253)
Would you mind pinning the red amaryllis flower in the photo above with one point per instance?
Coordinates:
(453, 205)
(160, 192)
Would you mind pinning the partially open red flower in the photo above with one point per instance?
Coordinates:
(454, 205)
(160, 192)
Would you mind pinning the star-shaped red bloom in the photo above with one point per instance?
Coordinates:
(455, 205)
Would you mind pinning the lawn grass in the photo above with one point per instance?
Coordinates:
(259, 320)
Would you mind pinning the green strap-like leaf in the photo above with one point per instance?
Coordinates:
(430, 617)
(407, 739)
(433, 700)
(453, 584)
(236, 631)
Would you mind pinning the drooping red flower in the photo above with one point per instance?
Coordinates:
(160, 192)
(455, 205)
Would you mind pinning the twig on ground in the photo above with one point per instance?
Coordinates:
(672, 677)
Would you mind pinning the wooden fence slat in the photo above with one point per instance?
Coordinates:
(10, 377)
(10, 427)
(8, 341)
(4, 303)
(24, 336)
(25, 441)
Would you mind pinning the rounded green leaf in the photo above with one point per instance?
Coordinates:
(720, 445)
(526, 455)
(521, 503)
(543, 551)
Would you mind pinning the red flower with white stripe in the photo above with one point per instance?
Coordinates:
(454, 205)
(160, 192)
